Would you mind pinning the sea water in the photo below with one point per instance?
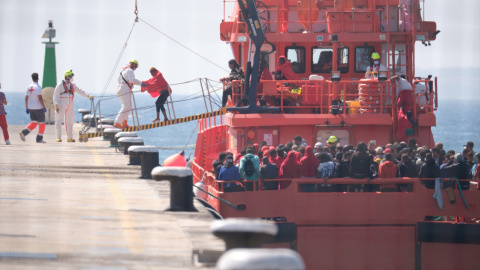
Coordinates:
(457, 120)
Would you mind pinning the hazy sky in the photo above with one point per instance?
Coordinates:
(92, 33)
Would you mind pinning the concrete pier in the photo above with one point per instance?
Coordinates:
(79, 206)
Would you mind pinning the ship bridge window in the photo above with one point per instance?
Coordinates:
(362, 58)
(296, 55)
(322, 60)
(400, 61)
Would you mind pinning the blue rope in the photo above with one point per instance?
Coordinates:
(461, 192)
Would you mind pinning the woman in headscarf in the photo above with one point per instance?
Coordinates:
(290, 167)
(308, 163)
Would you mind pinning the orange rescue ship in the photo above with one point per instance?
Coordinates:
(329, 45)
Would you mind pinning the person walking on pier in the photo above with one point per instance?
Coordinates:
(126, 80)
(3, 119)
(36, 108)
(63, 101)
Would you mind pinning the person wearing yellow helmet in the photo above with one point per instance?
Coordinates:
(375, 67)
(64, 109)
(332, 140)
(126, 81)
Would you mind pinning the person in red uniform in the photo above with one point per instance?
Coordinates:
(284, 70)
(157, 86)
(3, 119)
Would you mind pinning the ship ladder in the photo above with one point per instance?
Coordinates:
(222, 111)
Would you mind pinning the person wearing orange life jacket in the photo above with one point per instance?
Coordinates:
(126, 80)
(36, 109)
(375, 68)
(284, 70)
(63, 100)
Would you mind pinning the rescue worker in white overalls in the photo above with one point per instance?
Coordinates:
(64, 109)
(126, 80)
(372, 71)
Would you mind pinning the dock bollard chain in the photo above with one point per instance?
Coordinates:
(181, 182)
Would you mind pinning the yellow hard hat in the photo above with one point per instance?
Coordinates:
(332, 139)
(68, 73)
(375, 56)
(134, 61)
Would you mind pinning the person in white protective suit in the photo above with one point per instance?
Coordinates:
(63, 100)
(126, 80)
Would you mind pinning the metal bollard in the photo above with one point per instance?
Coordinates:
(89, 119)
(83, 112)
(114, 142)
(244, 232)
(104, 127)
(260, 258)
(109, 134)
(148, 155)
(106, 121)
(181, 182)
(126, 142)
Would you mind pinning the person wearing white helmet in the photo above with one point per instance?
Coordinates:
(318, 147)
(126, 81)
(63, 101)
(372, 71)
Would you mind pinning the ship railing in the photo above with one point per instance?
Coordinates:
(276, 18)
(426, 100)
(345, 185)
(324, 97)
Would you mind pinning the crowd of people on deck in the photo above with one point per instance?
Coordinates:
(296, 159)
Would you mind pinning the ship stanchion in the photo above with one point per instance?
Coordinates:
(260, 258)
(126, 142)
(244, 232)
(181, 182)
(148, 155)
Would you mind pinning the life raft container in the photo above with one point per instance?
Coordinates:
(370, 96)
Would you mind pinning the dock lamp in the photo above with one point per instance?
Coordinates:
(382, 76)
(335, 76)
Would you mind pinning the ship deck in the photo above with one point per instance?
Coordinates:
(78, 206)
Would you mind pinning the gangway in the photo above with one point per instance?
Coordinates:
(83, 136)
